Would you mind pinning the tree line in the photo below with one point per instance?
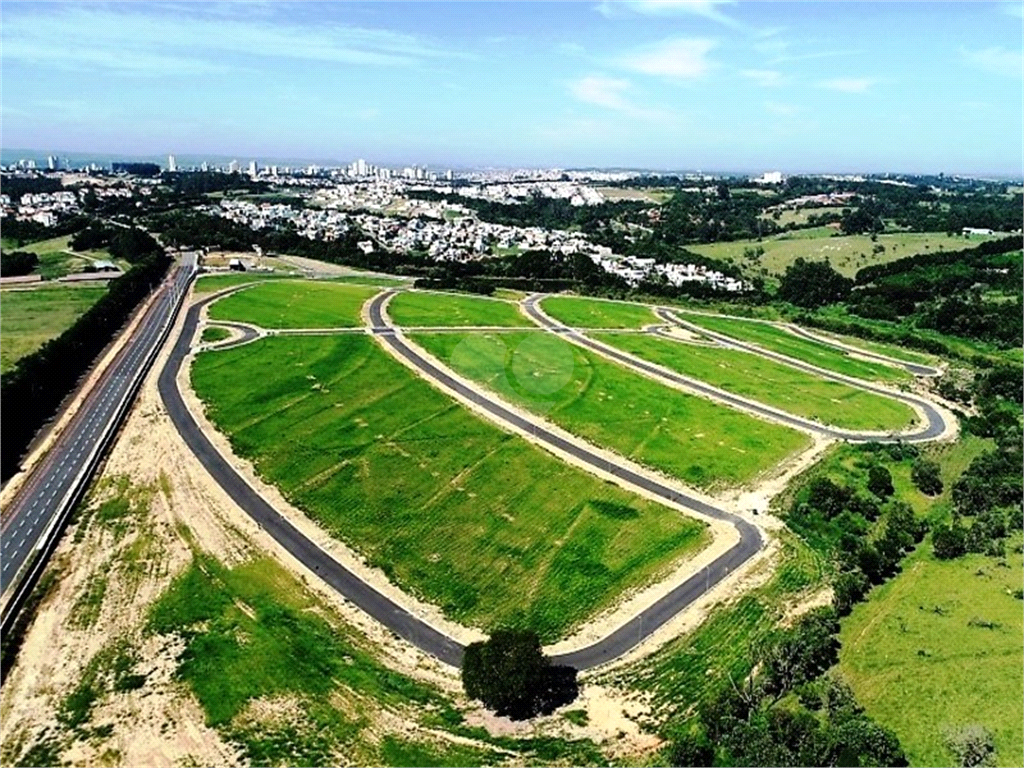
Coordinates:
(34, 389)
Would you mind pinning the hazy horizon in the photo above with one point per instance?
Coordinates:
(723, 87)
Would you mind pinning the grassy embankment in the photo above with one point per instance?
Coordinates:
(846, 253)
(700, 442)
(784, 342)
(579, 312)
(30, 318)
(211, 283)
(772, 383)
(412, 309)
(430, 493)
(214, 334)
(295, 304)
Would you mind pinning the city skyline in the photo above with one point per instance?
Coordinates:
(723, 87)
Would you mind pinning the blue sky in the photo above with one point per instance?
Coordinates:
(810, 86)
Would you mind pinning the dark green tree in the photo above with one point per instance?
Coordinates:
(812, 284)
(511, 675)
(880, 482)
(949, 541)
(927, 476)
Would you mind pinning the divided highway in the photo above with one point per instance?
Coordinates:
(41, 506)
(934, 428)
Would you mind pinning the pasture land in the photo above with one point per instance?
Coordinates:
(766, 381)
(846, 253)
(411, 309)
(373, 280)
(654, 195)
(889, 350)
(295, 304)
(430, 493)
(54, 261)
(579, 312)
(785, 343)
(922, 663)
(32, 317)
(700, 442)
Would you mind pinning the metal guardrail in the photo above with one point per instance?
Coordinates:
(25, 582)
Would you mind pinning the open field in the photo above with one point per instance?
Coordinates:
(766, 381)
(430, 493)
(374, 280)
(295, 304)
(30, 318)
(785, 343)
(53, 261)
(800, 216)
(213, 283)
(650, 195)
(919, 666)
(594, 313)
(702, 443)
(889, 350)
(847, 253)
(412, 309)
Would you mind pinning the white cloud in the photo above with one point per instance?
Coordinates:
(847, 84)
(138, 40)
(997, 61)
(766, 78)
(708, 9)
(676, 58)
(603, 91)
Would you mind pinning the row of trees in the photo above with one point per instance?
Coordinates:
(17, 263)
(33, 390)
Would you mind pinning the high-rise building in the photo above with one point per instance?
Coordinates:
(172, 166)
(233, 166)
(253, 168)
(204, 166)
(360, 167)
(51, 163)
(448, 174)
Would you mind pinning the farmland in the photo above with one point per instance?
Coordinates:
(846, 253)
(295, 304)
(594, 313)
(32, 317)
(772, 383)
(412, 309)
(914, 641)
(430, 493)
(785, 343)
(701, 443)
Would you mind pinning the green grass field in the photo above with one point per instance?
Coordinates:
(213, 283)
(889, 350)
(595, 313)
(53, 261)
(786, 343)
(30, 318)
(919, 666)
(701, 443)
(213, 334)
(771, 383)
(373, 280)
(295, 304)
(847, 253)
(411, 309)
(430, 493)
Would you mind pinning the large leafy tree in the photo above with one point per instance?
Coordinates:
(812, 284)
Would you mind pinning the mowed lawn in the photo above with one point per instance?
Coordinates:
(595, 313)
(54, 262)
(413, 309)
(295, 304)
(30, 318)
(920, 667)
(774, 384)
(889, 350)
(217, 282)
(432, 494)
(846, 254)
(700, 442)
(782, 341)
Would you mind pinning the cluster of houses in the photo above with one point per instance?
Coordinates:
(634, 269)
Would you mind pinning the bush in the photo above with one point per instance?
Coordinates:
(17, 263)
(949, 541)
(972, 745)
(691, 749)
(927, 476)
(511, 676)
(880, 482)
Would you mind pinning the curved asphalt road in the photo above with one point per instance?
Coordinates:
(645, 623)
(936, 423)
(935, 426)
(914, 368)
(379, 606)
